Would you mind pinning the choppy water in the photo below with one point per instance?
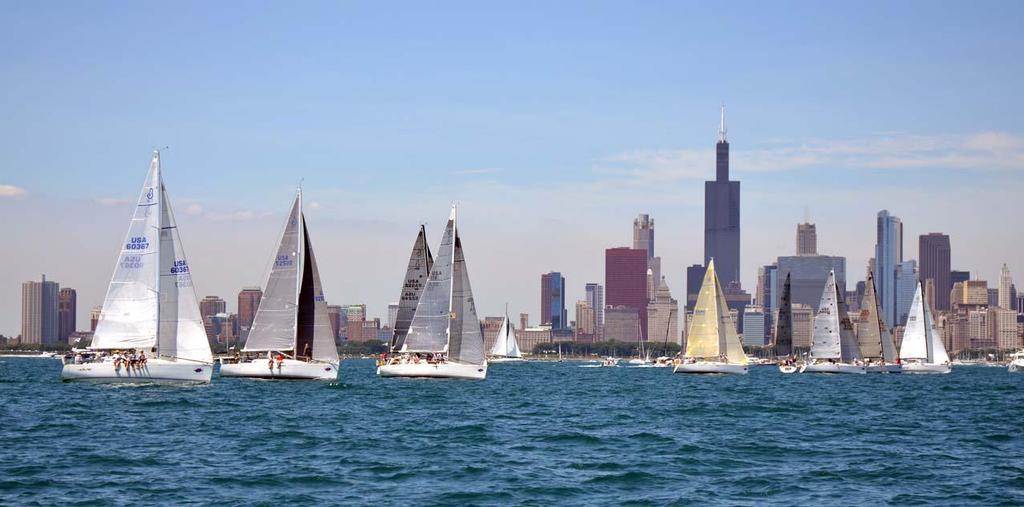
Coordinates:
(534, 433)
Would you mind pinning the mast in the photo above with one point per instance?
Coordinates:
(928, 346)
(159, 252)
(451, 280)
(300, 257)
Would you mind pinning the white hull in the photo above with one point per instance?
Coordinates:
(290, 369)
(788, 368)
(926, 368)
(1017, 366)
(506, 360)
(424, 369)
(884, 368)
(711, 367)
(841, 368)
(156, 370)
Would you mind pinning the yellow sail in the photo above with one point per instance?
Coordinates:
(712, 330)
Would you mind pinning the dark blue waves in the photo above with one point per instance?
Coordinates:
(532, 434)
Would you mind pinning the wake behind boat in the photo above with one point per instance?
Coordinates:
(149, 329)
(291, 325)
(712, 344)
(445, 339)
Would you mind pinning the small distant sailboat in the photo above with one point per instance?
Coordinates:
(291, 323)
(1016, 362)
(151, 306)
(643, 357)
(873, 338)
(833, 346)
(922, 350)
(712, 344)
(444, 339)
(505, 349)
(560, 360)
(420, 263)
(784, 331)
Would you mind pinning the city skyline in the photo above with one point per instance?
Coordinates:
(575, 153)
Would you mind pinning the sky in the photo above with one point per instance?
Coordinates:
(551, 124)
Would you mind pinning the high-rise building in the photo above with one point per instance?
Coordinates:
(39, 315)
(806, 239)
(694, 278)
(355, 312)
(888, 253)
(392, 314)
(94, 317)
(621, 323)
(67, 307)
(803, 325)
(969, 293)
(906, 285)
(586, 330)
(643, 234)
(334, 315)
(959, 276)
(212, 305)
(248, 302)
(754, 326)
(625, 281)
(767, 288)
(663, 316)
(1005, 288)
(934, 252)
(993, 297)
(595, 297)
(552, 301)
(722, 215)
(1003, 328)
(808, 275)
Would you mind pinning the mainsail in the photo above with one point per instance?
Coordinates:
(466, 338)
(505, 344)
(784, 322)
(292, 315)
(274, 327)
(420, 262)
(920, 338)
(833, 331)
(712, 331)
(151, 301)
(873, 337)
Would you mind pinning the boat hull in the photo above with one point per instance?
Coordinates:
(290, 369)
(438, 370)
(884, 368)
(506, 360)
(711, 368)
(1016, 366)
(155, 371)
(788, 368)
(836, 368)
(926, 368)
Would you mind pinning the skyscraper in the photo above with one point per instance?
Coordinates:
(808, 275)
(934, 252)
(958, 276)
(694, 277)
(585, 322)
(552, 301)
(906, 285)
(67, 306)
(39, 318)
(663, 316)
(806, 239)
(888, 253)
(625, 281)
(643, 234)
(722, 215)
(248, 302)
(595, 297)
(1005, 288)
(209, 307)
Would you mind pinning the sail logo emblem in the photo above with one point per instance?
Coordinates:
(293, 222)
(149, 195)
(137, 243)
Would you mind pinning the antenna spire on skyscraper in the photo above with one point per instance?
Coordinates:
(721, 127)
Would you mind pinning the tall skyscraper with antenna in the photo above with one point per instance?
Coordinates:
(722, 215)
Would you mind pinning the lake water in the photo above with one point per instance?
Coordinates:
(533, 434)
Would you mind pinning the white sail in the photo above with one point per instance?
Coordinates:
(182, 334)
(428, 331)
(465, 336)
(505, 344)
(275, 324)
(826, 342)
(936, 349)
(131, 306)
(915, 337)
(324, 348)
(420, 262)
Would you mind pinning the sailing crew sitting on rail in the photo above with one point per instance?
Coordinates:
(280, 360)
(270, 360)
(305, 351)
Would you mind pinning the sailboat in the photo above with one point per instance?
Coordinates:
(922, 350)
(712, 344)
(444, 339)
(873, 337)
(420, 262)
(643, 357)
(783, 340)
(505, 349)
(833, 345)
(291, 324)
(150, 312)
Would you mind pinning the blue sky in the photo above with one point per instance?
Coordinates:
(552, 123)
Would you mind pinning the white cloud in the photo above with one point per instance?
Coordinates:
(314, 205)
(11, 191)
(230, 216)
(194, 209)
(112, 201)
(985, 151)
(482, 170)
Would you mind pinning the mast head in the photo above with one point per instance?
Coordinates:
(451, 216)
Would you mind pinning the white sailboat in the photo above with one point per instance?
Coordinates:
(922, 350)
(506, 348)
(833, 346)
(643, 357)
(712, 344)
(151, 306)
(291, 325)
(873, 337)
(445, 339)
(1016, 362)
(782, 341)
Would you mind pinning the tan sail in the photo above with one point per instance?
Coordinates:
(712, 330)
